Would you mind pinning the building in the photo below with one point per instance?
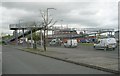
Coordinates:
(63, 34)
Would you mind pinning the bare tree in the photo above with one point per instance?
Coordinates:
(47, 23)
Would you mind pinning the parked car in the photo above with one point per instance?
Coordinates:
(71, 43)
(55, 42)
(106, 43)
(84, 41)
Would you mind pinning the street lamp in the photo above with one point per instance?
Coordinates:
(47, 14)
(61, 23)
(47, 20)
(61, 30)
(23, 40)
(19, 25)
(18, 28)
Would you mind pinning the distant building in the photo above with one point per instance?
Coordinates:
(64, 34)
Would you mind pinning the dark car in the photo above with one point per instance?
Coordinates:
(84, 41)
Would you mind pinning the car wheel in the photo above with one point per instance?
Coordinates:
(113, 49)
(64, 46)
(94, 47)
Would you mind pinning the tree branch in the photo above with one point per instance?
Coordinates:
(50, 21)
(54, 23)
(43, 17)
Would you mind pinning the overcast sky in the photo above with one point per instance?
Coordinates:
(74, 13)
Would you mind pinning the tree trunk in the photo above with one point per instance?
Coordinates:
(35, 45)
(44, 41)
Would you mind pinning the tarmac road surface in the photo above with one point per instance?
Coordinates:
(20, 62)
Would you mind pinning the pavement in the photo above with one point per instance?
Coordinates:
(102, 60)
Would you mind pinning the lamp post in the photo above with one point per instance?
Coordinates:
(47, 20)
(20, 25)
(61, 30)
(31, 38)
(47, 13)
(22, 30)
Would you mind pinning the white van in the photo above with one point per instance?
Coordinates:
(106, 43)
(71, 43)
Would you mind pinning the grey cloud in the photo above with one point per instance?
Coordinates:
(88, 12)
(81, 13)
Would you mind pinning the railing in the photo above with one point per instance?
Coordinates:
(26, 25)
(95, 29)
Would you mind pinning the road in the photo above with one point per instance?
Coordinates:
(20, 62)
